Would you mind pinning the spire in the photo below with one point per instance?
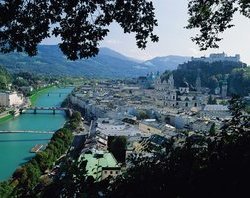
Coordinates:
(198, 82)
(171, 81)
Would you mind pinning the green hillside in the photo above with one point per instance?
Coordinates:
(239, 81)
(213, 75)
(5, 78)
(51, 61)
(108, 63)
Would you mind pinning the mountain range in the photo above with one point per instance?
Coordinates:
(108, 63)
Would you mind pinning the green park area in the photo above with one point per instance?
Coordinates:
(36, 93)
(5, 118)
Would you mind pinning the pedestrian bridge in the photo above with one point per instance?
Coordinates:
(27, 131)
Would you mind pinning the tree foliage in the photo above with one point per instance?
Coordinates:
(142, 114)
(5, 78)
(213, 75)
(211, 100)
(73, 184)
(213, 17)
(81, 25)
(239, 81)
(117, 146)
(27, 177)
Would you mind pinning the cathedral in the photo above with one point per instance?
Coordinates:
(184, 97)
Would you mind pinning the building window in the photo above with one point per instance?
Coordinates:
(195, 104)
(105, 172)
(177, 103)
(186, 104)
(173, 97)
(116, 172)
(173, 105)
(111, 172)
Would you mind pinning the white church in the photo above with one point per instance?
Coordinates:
(184, 97)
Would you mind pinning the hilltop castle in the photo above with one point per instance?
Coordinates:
(218, 57)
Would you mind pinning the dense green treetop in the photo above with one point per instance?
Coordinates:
(239, 81)
(117, 146)
(212, 74)
(81, 25)
(5, 78)
(213, 17)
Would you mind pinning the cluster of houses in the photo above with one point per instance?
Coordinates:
(147, 117)
(13, 100)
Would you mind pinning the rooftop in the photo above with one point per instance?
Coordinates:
(117, 129)
(98, 160)
(158, 125)
(216, 108)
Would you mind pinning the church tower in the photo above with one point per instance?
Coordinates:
(198, 83)
(224, 89)
(171, 82)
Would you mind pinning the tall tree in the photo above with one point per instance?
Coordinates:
(117, 146)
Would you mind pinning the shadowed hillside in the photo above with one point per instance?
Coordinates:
(107, 63)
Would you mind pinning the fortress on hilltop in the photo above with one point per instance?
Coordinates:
(218, 57)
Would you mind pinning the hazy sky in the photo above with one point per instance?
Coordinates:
(174, 38)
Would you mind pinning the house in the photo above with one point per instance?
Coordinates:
(212, 111)
(151, 126)
(200, 125)
(100, 164)
(26, 89)
(109, 127)
(8, 99)
(157, 142)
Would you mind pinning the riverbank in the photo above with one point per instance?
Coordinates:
(6, 118)
(39, 166)
(34, 96)
(15, 147)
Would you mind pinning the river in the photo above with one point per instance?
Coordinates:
(15, 147)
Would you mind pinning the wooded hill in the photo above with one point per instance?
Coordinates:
(213, 75)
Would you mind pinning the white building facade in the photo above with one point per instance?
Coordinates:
(8, 99)
(184, 97)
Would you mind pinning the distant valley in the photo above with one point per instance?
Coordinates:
(108, 63)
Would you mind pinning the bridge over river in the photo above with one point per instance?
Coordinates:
(53, 109)
(34, 132)
(58, 93)
(20, 134)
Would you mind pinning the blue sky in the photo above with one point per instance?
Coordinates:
(174, 38)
